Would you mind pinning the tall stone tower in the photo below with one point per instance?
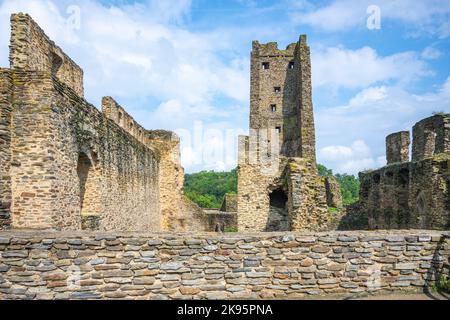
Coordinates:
(278, 185)
(280, 96)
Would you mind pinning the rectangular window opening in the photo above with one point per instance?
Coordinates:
(277, 89)
(291, 65)
(278, 129)
(273, 107)
(265, 65)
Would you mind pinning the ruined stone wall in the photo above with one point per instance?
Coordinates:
(178, 213)
(431, 136)
(411, 194)
(112, 110)
(71, 161)
(31, 49)
(229, 203)
(5, 146)
(86, 265)
(333, 192)
(253, 197)
(397, 147)
(408, 195)
(307, 202)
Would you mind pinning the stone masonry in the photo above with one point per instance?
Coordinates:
(84, 265)
(279, 188)
(65, 165)
(413, 194)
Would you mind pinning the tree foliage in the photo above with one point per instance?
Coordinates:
(349, 184)
(207, 188)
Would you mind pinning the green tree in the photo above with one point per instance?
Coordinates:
(349, 184)
(207, 188)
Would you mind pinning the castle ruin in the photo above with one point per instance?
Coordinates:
(411, 194)
(67, 166)
(279, 188)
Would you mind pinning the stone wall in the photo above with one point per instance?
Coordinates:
(31, 49)
(86, 265)
(397, 147)
(67, 166)
(71, 161)
(431, 136)
(5, 145)
(412, 194)
(64, 164)
(229, 203)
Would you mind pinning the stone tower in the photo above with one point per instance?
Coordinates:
(280, 96)
(279, 188)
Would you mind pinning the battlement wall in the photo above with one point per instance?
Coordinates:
(88, 265)
(31, 49)
(112, 110)
(431, 136)
(271, 49)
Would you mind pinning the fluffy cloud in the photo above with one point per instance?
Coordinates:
(430, 16)
(367, 118)
(350, 159)
(138, 57)
(340, 67)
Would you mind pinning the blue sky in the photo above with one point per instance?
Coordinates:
(183, 65)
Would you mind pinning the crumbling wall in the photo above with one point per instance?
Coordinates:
(333, 192)
(229, 203)
(86, 265)
(112, 110)
(31, 49)
(397, 147)
(5, 147)
(53, 128)
(411, 194)
(68, 165)
(307, 201)
(431, 136)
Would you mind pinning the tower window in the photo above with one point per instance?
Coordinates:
(273, 107)
(291, 65)
(277, 89)
(278, 129)
(265, 65)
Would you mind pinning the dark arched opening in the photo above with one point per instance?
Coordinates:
(278, 219)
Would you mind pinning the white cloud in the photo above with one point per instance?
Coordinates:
(429, 16)
(142, 51)
(370, 116)
(350, 159)
(340, 67)
(431, 53)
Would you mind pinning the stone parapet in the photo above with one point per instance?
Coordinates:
(88, 265)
